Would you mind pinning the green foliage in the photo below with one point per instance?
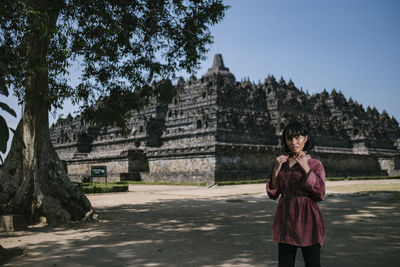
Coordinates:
(4, 129)
(6, 108)
(4, 135)
(124, 49)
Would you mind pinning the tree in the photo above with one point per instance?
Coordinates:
(124, 47)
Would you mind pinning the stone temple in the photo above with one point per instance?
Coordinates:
(217, 129)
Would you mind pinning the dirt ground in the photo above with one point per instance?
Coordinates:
(217, 226)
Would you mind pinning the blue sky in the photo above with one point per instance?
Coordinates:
(349, 45)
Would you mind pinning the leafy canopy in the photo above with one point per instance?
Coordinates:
(124, 49)
(4, 129)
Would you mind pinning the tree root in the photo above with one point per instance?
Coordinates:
(8, 253)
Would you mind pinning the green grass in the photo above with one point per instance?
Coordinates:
(123, 185)
(166, 183)
(361, 178)
(93, 188)
(260, 181)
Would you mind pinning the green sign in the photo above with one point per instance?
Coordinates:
(99, 171)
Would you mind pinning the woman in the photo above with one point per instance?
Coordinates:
(300, 181)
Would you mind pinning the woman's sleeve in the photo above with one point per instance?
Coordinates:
(315, 182)
(272, 193)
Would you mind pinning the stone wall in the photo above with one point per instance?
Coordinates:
(194, 169)
(347, 165)
(79, 169)
(235, 162)
(194, 164)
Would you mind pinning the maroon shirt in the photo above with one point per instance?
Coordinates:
(298, 220)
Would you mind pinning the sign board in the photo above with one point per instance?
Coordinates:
(99, 171)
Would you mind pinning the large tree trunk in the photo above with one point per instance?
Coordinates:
(33, 180)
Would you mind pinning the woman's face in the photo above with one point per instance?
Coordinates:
(296, 143)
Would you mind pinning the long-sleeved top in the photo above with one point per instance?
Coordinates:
(298, 220)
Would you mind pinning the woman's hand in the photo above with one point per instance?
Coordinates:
(277, 167)
(302, 160)
(278, 163)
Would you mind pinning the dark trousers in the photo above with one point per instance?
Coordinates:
(287, 255)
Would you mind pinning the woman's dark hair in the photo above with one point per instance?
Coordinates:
(295, 129)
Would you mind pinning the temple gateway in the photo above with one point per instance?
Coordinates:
(217, 129)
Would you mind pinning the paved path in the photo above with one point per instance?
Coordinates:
(217, 226)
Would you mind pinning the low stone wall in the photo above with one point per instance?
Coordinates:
(345, 165)
(181, 166)
(243, 162)
(255, 162)
(223, 162)
(77, 170)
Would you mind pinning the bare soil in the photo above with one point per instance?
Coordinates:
(217, 226)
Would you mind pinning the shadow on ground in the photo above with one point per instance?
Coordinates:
(360, 231)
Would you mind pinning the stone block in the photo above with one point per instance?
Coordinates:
(12, 222)
(130, 176)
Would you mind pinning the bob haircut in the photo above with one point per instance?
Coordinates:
(295, 129)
